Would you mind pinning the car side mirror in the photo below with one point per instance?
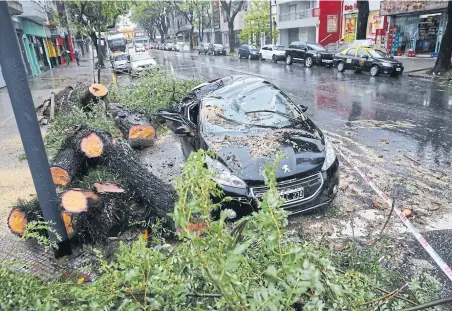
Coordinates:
(182, 130)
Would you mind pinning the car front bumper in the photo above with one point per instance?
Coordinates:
(323, 62)
(244, 203)
(391, 70)
(280, 57)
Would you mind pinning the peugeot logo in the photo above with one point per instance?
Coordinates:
(285, 168)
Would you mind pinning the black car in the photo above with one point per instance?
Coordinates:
(367, 59)
(248, 51)
(309, 53)
(216, 49)
(245, 121)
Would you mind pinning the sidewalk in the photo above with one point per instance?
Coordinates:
(416, 63)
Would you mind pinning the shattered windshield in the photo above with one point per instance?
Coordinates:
(263, 106)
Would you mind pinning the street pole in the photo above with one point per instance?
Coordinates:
(271, 23)
(100, 56)
(24, 111)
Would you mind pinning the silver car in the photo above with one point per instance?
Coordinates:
(121, 62)
(203, 48)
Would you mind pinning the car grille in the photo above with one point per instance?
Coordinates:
(327, 56)
(311, 186)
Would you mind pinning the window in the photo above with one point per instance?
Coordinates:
(301, 46)
(351, 52)
(362, 53)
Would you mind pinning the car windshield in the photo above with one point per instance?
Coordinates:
(252, 47)
(219, 46)
(138, 57)
(233, 107)
(316, 47)
(279, 48)
(121, 57)
(377, 53)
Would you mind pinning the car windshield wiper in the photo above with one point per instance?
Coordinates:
(295, 120)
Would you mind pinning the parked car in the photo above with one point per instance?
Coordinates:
(248, 51)
(170, 46)
(179, 46)
(309, 53)
(141, 62)
(203, 47)
(216, 49)
(367, 59)
(273, 52)
(120, 62)
(245, 121)
(139, 47)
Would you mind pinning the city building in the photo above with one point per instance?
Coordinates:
(313, 21)
(414, 27)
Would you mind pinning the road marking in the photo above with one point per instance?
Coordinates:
(433, 254)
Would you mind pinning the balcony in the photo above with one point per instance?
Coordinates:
(34, 11)
(15, 8)
(295, 19)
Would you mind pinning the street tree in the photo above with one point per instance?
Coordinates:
(152, 15)
(443, 62)
(231, 8)
(190, 9)
(93, 17)
(203, 17)
(363, 17)
(257, 21)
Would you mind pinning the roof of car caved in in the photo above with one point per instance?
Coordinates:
(239, 86)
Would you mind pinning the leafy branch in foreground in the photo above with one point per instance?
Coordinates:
(252, 264)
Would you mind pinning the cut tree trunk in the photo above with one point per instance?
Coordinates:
(68, 163)
(135, 126)
(443, 62)
(22, 213)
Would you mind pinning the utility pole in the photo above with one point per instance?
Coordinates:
(271, 22)
(24, 111)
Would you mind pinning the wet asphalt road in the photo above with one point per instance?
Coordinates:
(413, 115)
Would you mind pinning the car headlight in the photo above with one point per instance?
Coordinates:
(330, 155)
(223, 175)
(386, 64)
(317, 55)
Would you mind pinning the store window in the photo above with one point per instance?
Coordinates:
(429, 27)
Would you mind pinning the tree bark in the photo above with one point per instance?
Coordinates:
(443, 62)
(67, 164)
(231, 36)
(192, 31)
(231, 14)
(363, 17)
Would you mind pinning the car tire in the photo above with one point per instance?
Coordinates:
(309, 62)
(199, 52)
(240, 55)
(249, 56)
(340, 66)
(260, 57)
(374, 71)
(289, 60)
(274, 59)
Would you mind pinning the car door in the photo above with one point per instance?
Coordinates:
(302, 50)
(350, 59)
(362, 60)
(267, 52)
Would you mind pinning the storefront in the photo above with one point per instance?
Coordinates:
(34, 36)
(415, 27)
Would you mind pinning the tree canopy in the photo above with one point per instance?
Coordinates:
(152, 15)
(257, 20)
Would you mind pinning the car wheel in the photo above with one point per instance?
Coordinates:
(199, 52)
(260, 57)
(274, 59)
(249, 56)
(340, 66)
(289, 60)
(240, 55)
(374, 70)
(309, 62)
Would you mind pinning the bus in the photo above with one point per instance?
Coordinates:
(117, 43)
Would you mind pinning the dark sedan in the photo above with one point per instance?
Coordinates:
(246, 121)
(216, 49)
(248, 51)
(309, 53)
(367, 59)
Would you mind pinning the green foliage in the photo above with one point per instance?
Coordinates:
(252, 264)
(99, 175)
(64, 124)
(153, 91)
(152, 15)
(34, 230)
(257, 20)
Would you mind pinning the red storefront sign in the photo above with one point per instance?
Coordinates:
(315, 12)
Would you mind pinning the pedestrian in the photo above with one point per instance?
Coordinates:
(65, 55)
(77, 56)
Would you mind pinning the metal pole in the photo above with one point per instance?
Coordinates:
(24, 111)
(271, 22)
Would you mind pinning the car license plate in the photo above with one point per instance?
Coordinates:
(326, 61)
(398, 69)
(292, 194)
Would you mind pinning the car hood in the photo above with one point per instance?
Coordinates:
(120, 62)
(144, 62)
(245, 153)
